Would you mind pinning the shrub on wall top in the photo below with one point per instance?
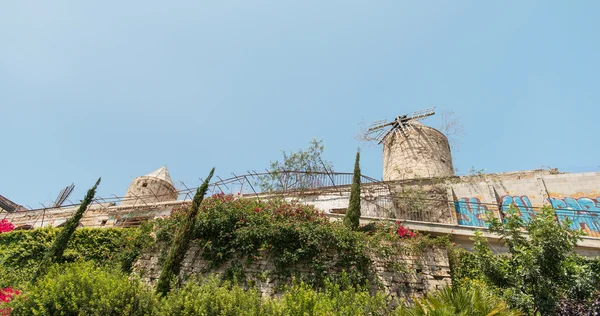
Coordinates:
(22, 250)
(83, 289)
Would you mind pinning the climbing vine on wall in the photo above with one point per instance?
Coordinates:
(22, 250)
(288, 234)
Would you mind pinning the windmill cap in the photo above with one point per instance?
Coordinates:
(161, 173)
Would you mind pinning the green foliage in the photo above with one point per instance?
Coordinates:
(292, 235)
(22, 251)
(55, 253)
(540, 268)
(133, 243)
(210, 297)
(83, 289)
(472, 299)
(352, 217)
(181, 242)
(305, 161)
(338, 298)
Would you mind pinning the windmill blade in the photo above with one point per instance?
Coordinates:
(419, 115)
(63, 195)
(379, 124)
(392, 130)
(376, 130)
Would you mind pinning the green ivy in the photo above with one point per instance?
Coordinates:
(21, 251)
(292, 236)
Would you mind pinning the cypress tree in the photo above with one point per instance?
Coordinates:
(352, 218)
(181, 241)
(55, 253)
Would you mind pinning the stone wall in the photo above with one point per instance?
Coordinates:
(403, 276)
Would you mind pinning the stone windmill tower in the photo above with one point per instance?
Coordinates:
(410, 149)
(151, 188)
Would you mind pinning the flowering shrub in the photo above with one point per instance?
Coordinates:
(6, 226)
(6, 296)
(404, 232)
(291, 236)
(291, 233)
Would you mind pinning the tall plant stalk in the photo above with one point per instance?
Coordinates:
(181, 242)
(55, 253)
(352, 218)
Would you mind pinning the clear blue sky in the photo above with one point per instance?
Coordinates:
(119, 88)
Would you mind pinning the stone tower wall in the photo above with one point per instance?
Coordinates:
(422, 153)
(146, 190)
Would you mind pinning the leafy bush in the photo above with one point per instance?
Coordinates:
(292, 233)
(293, 236)
(335, 299)
(540, 268)
(83, 289)
(473, 299)
(210, 297)
(21, 251)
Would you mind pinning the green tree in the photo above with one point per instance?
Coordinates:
(352, 218)
(297, 169)
(540, 267)
(181, 241)
(55, 253)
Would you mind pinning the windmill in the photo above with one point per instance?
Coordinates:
(63, 195)
(380, 130)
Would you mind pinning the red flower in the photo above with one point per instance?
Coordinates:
(6, 295)
(404, 232)
(6, 226)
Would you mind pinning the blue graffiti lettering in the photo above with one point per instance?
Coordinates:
(584, 213)
(470, 212)
(521, 203)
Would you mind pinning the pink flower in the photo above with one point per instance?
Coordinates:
(404, 232)
(6, 226)
(6, 295)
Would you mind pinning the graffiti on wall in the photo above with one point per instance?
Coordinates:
(521, 203)
(583, 212)
(471, 212)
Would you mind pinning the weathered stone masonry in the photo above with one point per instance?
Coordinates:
(418, 273)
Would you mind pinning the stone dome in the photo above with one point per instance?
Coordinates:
(151, 188)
